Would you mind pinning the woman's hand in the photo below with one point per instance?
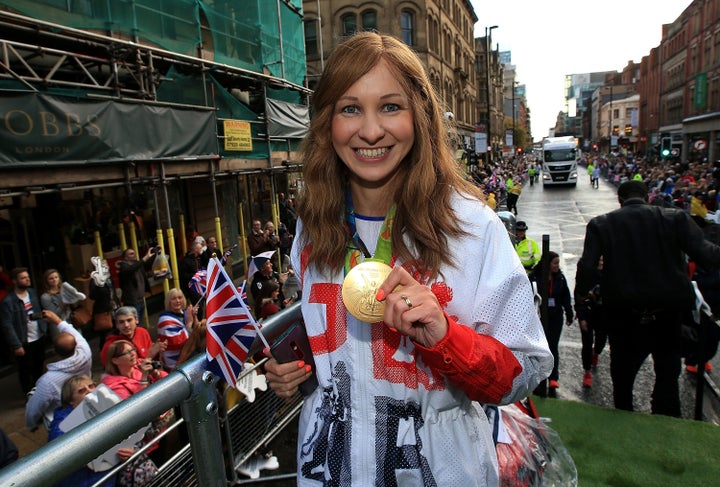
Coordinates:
(157, 347)
(284, 379)
(412, 309)
(145, 365)
(125, 453)
(191, 318)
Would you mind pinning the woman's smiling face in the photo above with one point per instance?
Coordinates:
(372, 126)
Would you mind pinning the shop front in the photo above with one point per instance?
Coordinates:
(81, 178)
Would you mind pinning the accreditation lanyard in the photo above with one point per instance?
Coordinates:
(357, 248)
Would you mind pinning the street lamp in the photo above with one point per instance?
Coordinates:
(488, 33)
(514, 140)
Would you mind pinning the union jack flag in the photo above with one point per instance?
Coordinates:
(198, 282)
(231, 329)
(243, 293)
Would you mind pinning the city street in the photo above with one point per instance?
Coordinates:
(562, 213)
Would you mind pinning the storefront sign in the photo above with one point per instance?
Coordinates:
(38, 128)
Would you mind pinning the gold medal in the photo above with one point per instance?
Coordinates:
(360, 287)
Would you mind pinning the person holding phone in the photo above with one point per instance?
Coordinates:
(133, 278)
(408, 351)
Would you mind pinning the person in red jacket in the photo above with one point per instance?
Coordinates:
(126, 328)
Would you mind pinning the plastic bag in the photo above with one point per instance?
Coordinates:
(160, 267)
(536, 456)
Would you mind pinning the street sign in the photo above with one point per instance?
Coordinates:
(700, 144)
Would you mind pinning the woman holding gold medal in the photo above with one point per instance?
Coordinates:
(416, 306)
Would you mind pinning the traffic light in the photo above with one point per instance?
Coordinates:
(665, 147)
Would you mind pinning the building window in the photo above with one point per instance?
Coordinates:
(369, 20)
(349, 24)
(311, 45)
(406, 26)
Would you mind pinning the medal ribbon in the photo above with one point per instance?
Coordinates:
(357, 248)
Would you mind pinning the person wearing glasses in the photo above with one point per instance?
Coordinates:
(125, 372)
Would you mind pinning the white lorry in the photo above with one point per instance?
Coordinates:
(558, 157)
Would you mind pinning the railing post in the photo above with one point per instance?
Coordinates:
(200, 414)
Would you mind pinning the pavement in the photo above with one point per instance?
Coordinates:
(562, 213)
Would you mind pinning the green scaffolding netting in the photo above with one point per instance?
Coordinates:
(190, 90)
(263, 36)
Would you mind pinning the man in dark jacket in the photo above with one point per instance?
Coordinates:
(189, 265)
(645, 287)
(23, 328)
(133, 278)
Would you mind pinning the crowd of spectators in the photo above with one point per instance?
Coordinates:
(691, 185)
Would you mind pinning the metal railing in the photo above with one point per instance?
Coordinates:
(220, 439)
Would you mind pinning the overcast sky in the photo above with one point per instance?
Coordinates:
(549, 39)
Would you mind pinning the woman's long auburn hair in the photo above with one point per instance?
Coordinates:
(429, 172)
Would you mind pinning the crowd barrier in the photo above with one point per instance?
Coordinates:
(221, 438)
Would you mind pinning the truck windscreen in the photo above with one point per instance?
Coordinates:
(559, 155)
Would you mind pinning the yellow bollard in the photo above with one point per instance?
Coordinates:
(276, 221)
(121, 233)
(98, 244)
(243, 237)
(183, 239)
(133, 238)
(173, 258)
(161, 243)
(218, 235)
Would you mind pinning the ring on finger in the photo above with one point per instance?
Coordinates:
(407, 300)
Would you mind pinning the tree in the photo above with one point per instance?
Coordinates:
(522, 139)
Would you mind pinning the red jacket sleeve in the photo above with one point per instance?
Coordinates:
(477, 364)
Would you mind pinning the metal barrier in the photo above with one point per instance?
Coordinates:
(220, 439)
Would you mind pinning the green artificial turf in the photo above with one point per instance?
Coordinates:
(624, 449)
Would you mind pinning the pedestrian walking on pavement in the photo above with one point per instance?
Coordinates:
(595, 177)
(590, 170)
(592, 328)
(645, 288)
(559, 303)
(514, 195)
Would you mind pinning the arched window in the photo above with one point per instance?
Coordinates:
(349, 24)
(369, 20)
(407, 23)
